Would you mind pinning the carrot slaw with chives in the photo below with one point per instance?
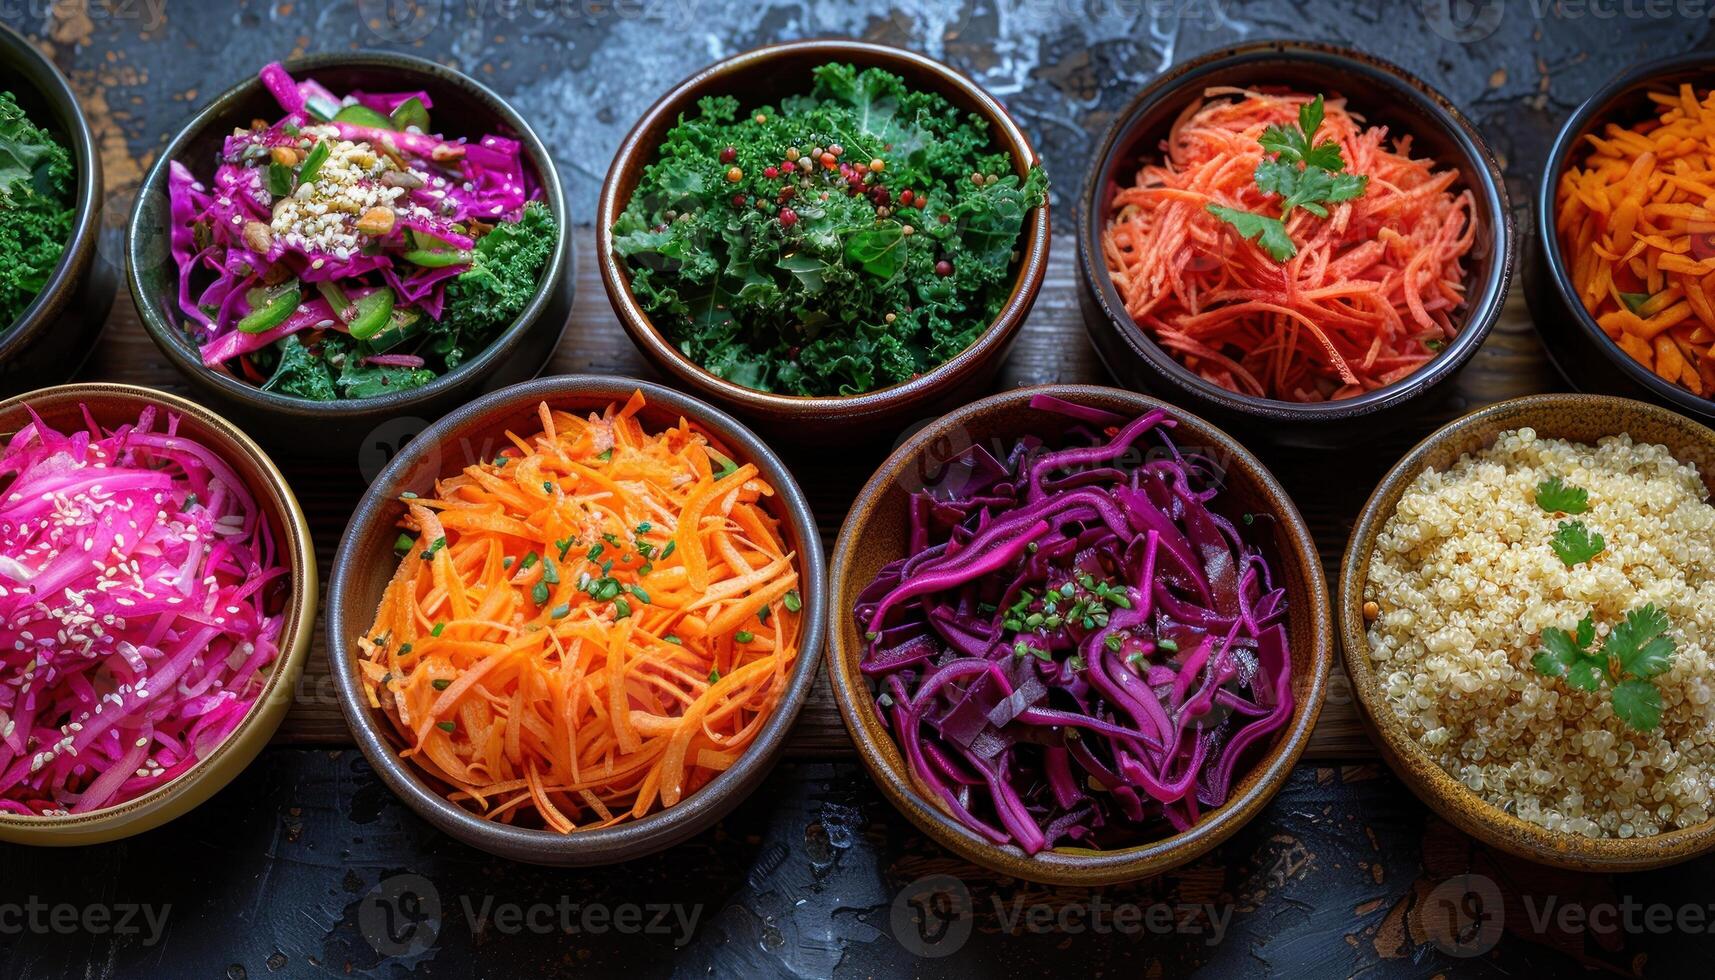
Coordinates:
(1371, 295)
(588, 627)
(1636, 222)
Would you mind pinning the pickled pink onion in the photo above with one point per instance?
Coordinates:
(135, 568)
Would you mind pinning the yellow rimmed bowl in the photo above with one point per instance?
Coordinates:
(110, 405)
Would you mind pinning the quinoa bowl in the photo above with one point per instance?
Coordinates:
(1524, 609)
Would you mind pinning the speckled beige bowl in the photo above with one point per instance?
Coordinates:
(1578, 418)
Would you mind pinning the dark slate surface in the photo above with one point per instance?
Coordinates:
(307, 866)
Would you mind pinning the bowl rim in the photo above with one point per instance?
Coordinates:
(1589, 113)
(1078, 866)
(39, 313)
(1493, 204)
(298, 624)
(1438, 790)
(430, 75)
(660, 829)
(1032, 262)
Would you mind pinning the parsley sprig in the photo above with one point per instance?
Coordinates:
(1303, 174)
(1574, 543)
(1556, 497)
(1635, 651)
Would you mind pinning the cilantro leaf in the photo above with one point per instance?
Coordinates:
(1575, 544)
(1562, 649)
(1638, 704)
(1638, 644)
(1269, 233)
(1557, 498)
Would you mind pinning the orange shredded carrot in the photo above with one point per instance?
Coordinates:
(1372, 294)
(590, 626)
(1636, 220)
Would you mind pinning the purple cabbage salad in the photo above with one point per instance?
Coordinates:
(347, 251)
(1078, 646)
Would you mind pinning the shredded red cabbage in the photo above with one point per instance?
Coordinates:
(1078, 644)
(233, 249)
(139, 611)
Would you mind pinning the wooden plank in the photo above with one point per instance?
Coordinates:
(1052, 347)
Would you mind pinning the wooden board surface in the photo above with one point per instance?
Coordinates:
(1328, 487)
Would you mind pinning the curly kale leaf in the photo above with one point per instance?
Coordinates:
(36, 209)
(506, 267)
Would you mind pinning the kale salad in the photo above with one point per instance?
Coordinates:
(37, 207)
(847, 240)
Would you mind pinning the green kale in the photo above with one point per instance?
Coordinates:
(506, 267)
(785, 271)
(36, 208)
(301, 372)
(360, 380)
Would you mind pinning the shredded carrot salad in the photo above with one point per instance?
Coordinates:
(1637, 226)
(1371, 295)
(588, 627)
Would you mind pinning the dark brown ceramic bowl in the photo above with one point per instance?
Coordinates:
(463, 106)
(1579, 418)
(875, 533)
(1577, 346)
(366, 561)
(764, 76)
(57, 332)
(115, 404)
(1384, 95)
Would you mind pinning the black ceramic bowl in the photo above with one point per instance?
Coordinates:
(1384, 95)
(57, 332)
(463, 107)
(1583, 354)
(366, 562)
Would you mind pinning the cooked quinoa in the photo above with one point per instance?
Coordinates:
(1464, 583)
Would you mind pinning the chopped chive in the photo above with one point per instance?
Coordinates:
(594, 553)
(644, 528)
(715, 676)
(621, 609)
(436, 631)
(1113, 642)
(565, 545)
(547, 486)
(407, 495)
(793, 603)
(506, 562)
(1167, 646)
(501, 461)
(885, 700)
(668, 550)
(529, 559)
(762, 614)
(560, 611)
(645, 569)
(539, 594)
(744, 636)
(605, 456)
(403, 542)
(670, 638)
(446, 726)
(640, 594)
(404, 648)
(441, 683)
(550, 572)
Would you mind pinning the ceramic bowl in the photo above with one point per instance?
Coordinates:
(463, 106)
(113, 404)
(1585, 355)
(875, 533)
(366, 562)
(1384, 95)
(57, 332)
(1579, 418)
(764, 76)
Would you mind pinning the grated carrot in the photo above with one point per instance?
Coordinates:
(588, 627)
(1636, 221)
(1371, 296)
